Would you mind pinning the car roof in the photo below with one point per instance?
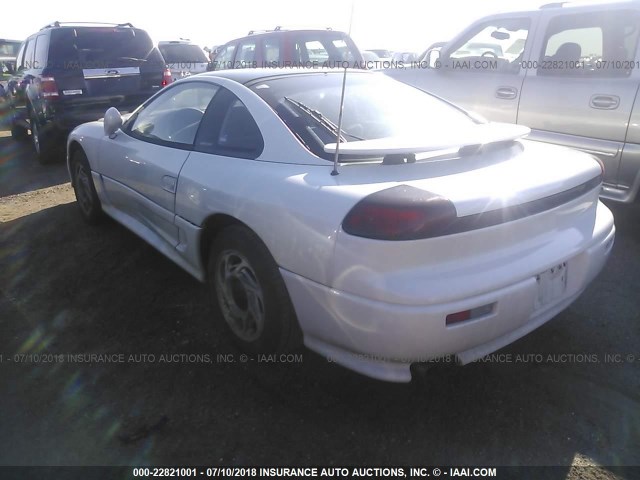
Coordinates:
(315, 31)
(175, 42)
(248, 75)
(569, 6)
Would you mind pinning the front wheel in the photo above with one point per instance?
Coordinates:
(85, 190)
(249, 293)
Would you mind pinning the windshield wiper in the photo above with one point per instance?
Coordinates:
(133, 58)
(322, 119)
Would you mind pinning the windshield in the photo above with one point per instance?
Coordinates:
(375, 106)
(182, 53)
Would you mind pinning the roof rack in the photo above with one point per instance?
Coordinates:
(280, 28)
(57, 24)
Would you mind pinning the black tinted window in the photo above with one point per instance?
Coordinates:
(101, 47)
(9, 49)
(181, 53)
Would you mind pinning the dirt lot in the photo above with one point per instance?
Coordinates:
(568, 394)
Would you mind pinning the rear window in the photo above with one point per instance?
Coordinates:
(9, 49)
(181, 53)
(310, 104)
(101, 47)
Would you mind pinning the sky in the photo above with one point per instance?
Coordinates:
(400, 25)
(408, 25)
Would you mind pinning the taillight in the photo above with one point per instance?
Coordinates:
(474, 313)
(400, 213)
(48, 87)
(166, 77)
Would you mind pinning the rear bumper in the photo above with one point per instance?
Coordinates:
(382, 340)
(66, 118)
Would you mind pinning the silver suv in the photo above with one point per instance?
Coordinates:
(571, 73)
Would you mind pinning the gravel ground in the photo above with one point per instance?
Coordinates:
(166, 386)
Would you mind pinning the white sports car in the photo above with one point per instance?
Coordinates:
(437, 234)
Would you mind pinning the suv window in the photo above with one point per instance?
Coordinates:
(40, 59)
(224, 59)
(174, 116)
(322, 48)
(101, 47)
(246, 55)
(591, 45)
(8, 48)
(182, 53)
(272, 50)
(27, 61)
(496, 45)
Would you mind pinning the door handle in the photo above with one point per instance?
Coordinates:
(508, 93)
(604, 102)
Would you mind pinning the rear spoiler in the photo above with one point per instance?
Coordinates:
(475, 135)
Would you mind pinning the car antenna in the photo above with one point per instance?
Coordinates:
(344, 84)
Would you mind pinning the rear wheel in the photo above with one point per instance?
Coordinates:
(249, 293)
(42, 142)
(85, 190)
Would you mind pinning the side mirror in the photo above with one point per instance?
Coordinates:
(112, 121)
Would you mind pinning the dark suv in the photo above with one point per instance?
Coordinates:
(289, 48)
(68, 74)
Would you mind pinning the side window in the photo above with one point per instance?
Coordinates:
(272, 51)
(343, 50)
(20, 57)
(246, 54)
(591, 45)
(174, 116)
(316, 51)
(40, 59)
(229, 129)
(497, 45)
(28, 54)
(224, 58)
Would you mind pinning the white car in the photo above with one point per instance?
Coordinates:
(438, 234)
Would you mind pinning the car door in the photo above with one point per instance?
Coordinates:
(140, 164)
(17, 85)
(480, 70)
(581, 89)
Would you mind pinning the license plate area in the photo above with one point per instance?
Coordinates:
(551, 285)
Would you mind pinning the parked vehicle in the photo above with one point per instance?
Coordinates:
(384, 54)
(437, 234)
(8, 52)
(68, 74)
(183, 58)
(289, 48)
(571, 73)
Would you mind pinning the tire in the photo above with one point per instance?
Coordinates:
(249, 294)
(18, 133)
(42, 142)
(86, 195)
